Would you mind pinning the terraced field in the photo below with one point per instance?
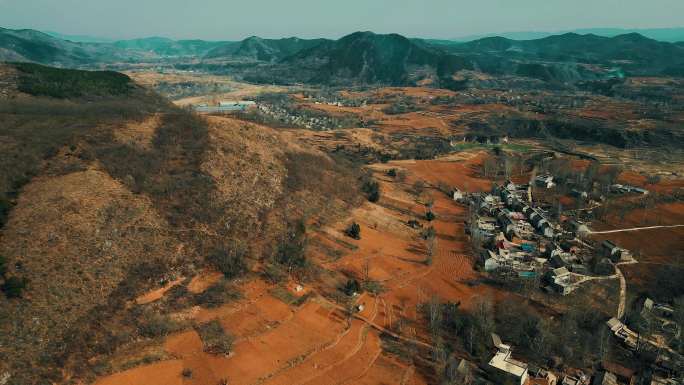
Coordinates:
(318, 341)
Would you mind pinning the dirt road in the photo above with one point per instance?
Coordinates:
(623, 288)
(623, 293)
(635, 229)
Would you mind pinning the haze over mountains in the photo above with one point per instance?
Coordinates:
(366, 57)
(671, 35)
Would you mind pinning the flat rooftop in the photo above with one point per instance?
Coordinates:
(502, 360)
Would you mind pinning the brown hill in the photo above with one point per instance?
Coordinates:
(106, 199)
(74, 237)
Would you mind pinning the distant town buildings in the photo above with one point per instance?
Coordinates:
(626, 189)
(226, 106)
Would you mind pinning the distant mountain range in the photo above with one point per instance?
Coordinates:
(80, 38)
(670, 35)
(366, 57)
(34, 46)
(268, 50)
(632, 53)
(165, 47)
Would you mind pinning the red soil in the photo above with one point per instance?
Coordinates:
(316, 343)
(660, 246)
(324, 360)
(459, 171)
(311, 329)
(386, 370)
(257, 312)
(395, 255)
(253, 359)
(664, 186)
(257, 317)
(656, 249)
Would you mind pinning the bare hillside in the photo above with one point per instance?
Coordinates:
(124, 193)
(75, 238)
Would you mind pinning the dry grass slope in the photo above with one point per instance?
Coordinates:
(116, 195)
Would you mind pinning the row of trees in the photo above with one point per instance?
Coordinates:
(577, 339)
(503, 165)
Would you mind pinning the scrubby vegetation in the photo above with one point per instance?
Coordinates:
(372, 189)
(215, 340)
(13, 286)
(402, 106)
(230, 261)
(274, 273)
(40, 80)
(53, 138)
(351, 286)
(186, 176)
(292, 247)
(577, 339)
(217, 294)
(353, 231)
(153, 325)
(430, 216)
(38, 129)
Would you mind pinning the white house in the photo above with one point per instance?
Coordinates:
(506, 365)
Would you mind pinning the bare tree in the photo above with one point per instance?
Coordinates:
(431, 249)
(489, 166)
(508, 166)
(484, 314)
(429, 201)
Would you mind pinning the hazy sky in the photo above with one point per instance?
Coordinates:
(232, 20)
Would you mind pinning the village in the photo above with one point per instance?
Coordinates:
(669, 364)
(533, 229)
(519, 237)
(535, 232)
(279, 111)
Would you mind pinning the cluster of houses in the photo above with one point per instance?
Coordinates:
(627, 189)
(303, 118)
(663, 331)
(226, 106)
(522, 240)
(663, 327)
(506, 369)
(530, 99)
(334, 99)
(342, 104)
